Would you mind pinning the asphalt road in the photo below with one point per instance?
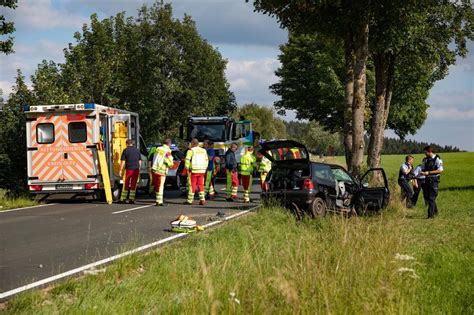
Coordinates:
(40, 242)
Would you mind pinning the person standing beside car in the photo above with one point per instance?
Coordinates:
(159, 163)
(196, 165)
(404, 176)
(231, 172)
(208, 184)
(432, 167)
(248, 163)
(131, 161)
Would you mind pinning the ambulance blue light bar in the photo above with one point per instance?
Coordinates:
(89, 106)
(26, 108)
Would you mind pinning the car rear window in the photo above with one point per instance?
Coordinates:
(77, 132)
(323, 172)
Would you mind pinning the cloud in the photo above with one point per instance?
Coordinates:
(451, 114)
(42, 15)
(250, 79)
(218, 21)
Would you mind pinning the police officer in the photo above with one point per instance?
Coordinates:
(432, 167)
(418, 185)
(404, 176)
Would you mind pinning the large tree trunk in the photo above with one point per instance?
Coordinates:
(349, 95)
(361, 41)
(384, 72)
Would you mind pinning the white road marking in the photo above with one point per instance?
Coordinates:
(36, 284)
(131, 209)
(24, 208)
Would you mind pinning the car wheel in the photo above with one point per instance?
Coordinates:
(318, 207)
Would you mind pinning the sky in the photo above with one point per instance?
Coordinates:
(248, 40)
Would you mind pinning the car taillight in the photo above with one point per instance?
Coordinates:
(36, 187)
(265, 186)
(308, 184)
(91, 186)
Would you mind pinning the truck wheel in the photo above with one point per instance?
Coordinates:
(116, 192)
(318, 207)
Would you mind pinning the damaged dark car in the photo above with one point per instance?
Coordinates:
(316, 188)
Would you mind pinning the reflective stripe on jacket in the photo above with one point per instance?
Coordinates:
(197, 160)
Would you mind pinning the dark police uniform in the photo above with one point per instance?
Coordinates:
(431, 182)
(404, 182)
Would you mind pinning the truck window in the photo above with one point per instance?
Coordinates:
(77, 132)
(45, 133)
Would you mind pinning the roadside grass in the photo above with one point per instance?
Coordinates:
(268, 262)
(12, 203)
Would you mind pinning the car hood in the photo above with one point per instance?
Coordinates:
(284, 151)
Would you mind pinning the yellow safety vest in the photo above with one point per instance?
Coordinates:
(197, 160)
(265, 165)
(247, 163)
(162, 160)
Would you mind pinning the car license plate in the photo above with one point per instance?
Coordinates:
(64, 186)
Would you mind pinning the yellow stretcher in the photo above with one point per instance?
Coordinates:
(104, 171)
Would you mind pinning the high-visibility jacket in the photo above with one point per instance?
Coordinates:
(265, 165)
(162, 160)
(248, 162)
(196, 160)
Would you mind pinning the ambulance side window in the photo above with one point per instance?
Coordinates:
(45, 133)
(77, 132)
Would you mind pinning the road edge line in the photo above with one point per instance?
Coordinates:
(24, 208)
(71, 272)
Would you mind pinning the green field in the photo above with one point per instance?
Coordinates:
(268, 262)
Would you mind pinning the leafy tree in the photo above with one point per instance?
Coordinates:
(263, 120)
(6, 46)
(12, 133)
(155, 65)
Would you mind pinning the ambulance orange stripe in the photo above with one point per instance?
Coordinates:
(55, 175)
(53, 157)
(83, 163)
(78, 168)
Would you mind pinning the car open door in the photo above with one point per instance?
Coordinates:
(374, 193)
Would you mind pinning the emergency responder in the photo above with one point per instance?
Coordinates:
(131, 161)
(432, 167)
(231, 172)
(196, 165)
(418, 185)
(405, 174)
(211, 155)
(158, 164)
(263, 168)
(182, 172)
(152, 151)
(248, 163)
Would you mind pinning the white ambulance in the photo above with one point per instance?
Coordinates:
(62, 143)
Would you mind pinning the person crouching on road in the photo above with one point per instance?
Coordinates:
(231, 172)
(159, 163)
(248, 163)
(209, 185)
(404, 177)
(263, 168)
(196, 165)
(131, 161)
(432, 167)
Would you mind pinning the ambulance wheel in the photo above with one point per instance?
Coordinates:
(318, 207)
(116, 192)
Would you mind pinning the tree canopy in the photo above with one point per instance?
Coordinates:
(6, 46)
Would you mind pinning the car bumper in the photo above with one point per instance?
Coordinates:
(299, 197)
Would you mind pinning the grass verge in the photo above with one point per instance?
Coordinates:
(12, 203)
